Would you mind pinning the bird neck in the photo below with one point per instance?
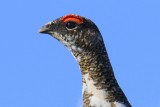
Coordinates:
(99, 83)
(95, 65)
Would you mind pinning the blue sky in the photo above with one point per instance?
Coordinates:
(38, 71)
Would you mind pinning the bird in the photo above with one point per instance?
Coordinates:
(83, 39)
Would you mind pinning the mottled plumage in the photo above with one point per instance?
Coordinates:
(82, 37)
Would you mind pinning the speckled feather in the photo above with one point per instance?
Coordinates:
(100, 88)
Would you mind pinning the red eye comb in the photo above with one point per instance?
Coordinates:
(72, 17)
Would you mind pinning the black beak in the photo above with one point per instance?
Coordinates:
(45, 29)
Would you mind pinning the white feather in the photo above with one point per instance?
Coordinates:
(98, 98)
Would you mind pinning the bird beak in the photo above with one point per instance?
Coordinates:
(43, 30)
(46, 29)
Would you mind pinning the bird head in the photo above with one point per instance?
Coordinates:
(74, 31)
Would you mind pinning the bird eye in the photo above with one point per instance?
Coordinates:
(71, 25)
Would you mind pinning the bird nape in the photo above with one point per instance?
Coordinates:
(82, 37)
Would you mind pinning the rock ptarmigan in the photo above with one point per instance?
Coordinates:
(82, 37)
